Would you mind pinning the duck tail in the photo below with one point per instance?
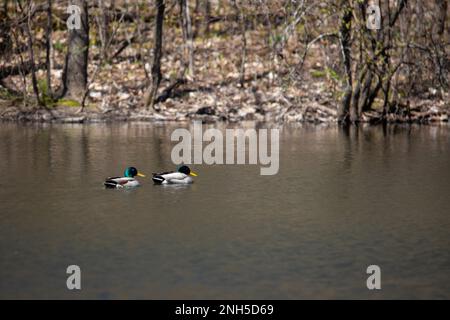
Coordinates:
(110, 184)
(157, 179)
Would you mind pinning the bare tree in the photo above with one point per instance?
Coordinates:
(75, 70)
(103, 26)
(28, 28)
(442, 8)
(150, 96)
(186, 26)
(345, 43)
(241, 21)
(5, 38)
(207, 16)
(375, 63)
(49, 48)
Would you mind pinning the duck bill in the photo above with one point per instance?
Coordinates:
(193, 174)
(141, 175)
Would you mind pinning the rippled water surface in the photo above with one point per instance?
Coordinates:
(342, 200)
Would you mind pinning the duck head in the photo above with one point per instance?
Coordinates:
(131, 172)
(186, 171)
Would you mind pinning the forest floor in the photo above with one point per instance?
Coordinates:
(212, 93)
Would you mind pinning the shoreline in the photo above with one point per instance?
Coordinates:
(302, 114)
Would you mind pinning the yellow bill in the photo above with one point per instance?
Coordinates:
(141, 175)
(193, 174)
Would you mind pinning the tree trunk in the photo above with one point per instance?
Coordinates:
(241, 21)
(354, 104)
(345, 37)
(363, 104)
(31, 54)
(103, 26)
(75, 69)
(150, 96)
(187, 36)
(49, 48)
(207, 13)
(441, 17)
(5, 29)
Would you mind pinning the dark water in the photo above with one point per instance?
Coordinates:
(342, 200)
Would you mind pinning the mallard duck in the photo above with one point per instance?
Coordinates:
(181, 176)
(128, 181)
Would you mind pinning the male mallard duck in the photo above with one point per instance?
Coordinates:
(127, 181)
(181, 176)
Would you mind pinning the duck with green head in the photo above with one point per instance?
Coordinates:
(181, 176)
(127, 181)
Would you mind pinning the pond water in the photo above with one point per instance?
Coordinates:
(341, 201)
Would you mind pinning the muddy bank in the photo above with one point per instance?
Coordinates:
(275, 112)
